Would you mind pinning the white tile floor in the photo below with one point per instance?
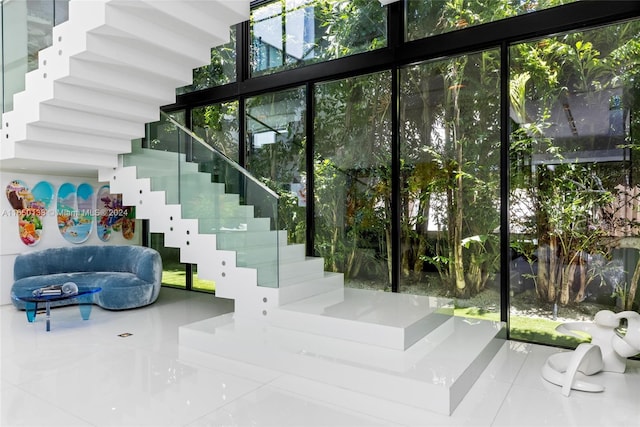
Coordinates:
(84, 374)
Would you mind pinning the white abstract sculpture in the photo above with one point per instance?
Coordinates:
(608, 351)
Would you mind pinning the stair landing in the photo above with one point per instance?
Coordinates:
(434, 374)
(385, 319)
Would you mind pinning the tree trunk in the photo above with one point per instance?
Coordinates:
(631, 295)
(542, 284)
(583, 281)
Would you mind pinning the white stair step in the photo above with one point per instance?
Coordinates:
(105, 104)
(184, 15)
(76, 140)
(310, 268)
(136, 55)
(379, 318)
(434, 374)
(301, 290)
(47, 153)
(112, 79)
(241, 239)
(191, 42)
(212, 225)
(55, 117)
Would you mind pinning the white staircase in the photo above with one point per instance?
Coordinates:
(110, 68)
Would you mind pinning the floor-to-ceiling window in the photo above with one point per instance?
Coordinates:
(482, 151)
(287, 34)
(574, 233)
(352, 178)
(450, 178)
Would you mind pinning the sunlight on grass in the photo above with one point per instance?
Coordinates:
(531, 329)
(175, 276)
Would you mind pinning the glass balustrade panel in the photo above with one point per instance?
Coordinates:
(224, 198)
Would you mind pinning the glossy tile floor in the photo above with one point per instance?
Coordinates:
(83, 373)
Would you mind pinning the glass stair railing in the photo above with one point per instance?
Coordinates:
(27, 28)
(224, 197)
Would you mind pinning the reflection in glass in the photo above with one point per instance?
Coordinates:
(574, 177)
(450, 180)
(276, 141)
(217, 125)
(220, 71)
(291, 33)
(173, 271)
(426, 18)
(352, 176)
(27, 29)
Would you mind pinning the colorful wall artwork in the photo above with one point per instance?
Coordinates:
(112, 216)
(30, 206)
(75, 211)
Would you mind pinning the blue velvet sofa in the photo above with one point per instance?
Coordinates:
(130, 276)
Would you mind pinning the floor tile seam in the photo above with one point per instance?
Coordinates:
(334, 405)
(345, 407)
(52, 403)
(502, 404)
(116, 359)
(233, 374)
(511, 383)
(223, 408)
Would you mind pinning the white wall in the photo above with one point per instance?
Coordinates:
(10, 243)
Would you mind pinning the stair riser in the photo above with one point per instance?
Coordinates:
(138, 27)
(59, 139)
(289, 293)
(45, 153)
(229, 240)
(249, 224)
(328, 361)
(107, 105)
(118, 82)
(138, 57)
(81, 121)
(198, 24)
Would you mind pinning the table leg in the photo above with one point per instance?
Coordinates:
(48, 307)
(85, 303)
(31, 308)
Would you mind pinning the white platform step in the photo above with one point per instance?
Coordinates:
(384, 319)
(434, 374)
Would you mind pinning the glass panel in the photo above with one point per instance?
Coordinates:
(430, 17)
(276, 141)
(352, 175)
(291, 33)
(61, 11)
(173, 271)
(574, 178)
(27, 29)
(202, 284)
(224, 198)
(217, 125)
(450, 181)
(2, 106)
(221, 71)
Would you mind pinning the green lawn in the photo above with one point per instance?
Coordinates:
(532, 329)
(175, 275)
